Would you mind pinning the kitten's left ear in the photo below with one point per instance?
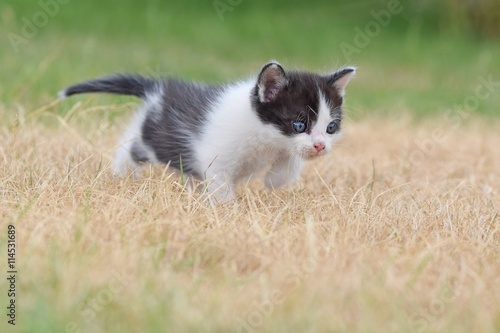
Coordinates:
(340, 79)
(272, 80)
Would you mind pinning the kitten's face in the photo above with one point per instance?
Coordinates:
(316, 129)
(306, 108)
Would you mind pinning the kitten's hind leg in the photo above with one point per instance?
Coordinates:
(283, 171)
(124, 163)
(129, 158)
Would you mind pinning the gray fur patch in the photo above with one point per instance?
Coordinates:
(171, 130)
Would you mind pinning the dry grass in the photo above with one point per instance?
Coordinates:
(366, 242)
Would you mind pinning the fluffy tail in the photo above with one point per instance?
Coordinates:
(135, 85)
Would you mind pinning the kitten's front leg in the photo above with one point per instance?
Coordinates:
(220, 187)
(283, 171)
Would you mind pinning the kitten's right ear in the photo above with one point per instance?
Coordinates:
(340, 79)
(272, 80)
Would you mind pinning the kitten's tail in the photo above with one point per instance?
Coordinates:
(135, 85)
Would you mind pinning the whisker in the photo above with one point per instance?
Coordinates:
(343, 146)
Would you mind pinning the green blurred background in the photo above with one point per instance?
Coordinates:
(425, 57)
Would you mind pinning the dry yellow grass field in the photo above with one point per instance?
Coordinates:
(396, 231)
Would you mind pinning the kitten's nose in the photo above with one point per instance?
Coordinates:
(319, 147)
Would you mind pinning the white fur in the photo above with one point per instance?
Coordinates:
(62, 94)
(153, 102)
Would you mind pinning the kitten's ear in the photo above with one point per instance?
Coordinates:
(340, 79)
(272, 80)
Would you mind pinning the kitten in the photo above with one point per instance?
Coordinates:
(227, 133)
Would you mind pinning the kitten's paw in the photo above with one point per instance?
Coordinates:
(274, 181)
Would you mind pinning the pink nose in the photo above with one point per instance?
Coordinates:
(319, 147)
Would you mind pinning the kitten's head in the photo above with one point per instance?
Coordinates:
(304, 107)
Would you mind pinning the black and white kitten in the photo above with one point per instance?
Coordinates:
(228, 133)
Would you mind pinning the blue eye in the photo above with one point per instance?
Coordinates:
(299, 126)
(332, 128)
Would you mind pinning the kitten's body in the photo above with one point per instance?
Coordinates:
(231, 132)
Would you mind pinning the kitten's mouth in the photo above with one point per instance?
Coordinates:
(311, 155)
